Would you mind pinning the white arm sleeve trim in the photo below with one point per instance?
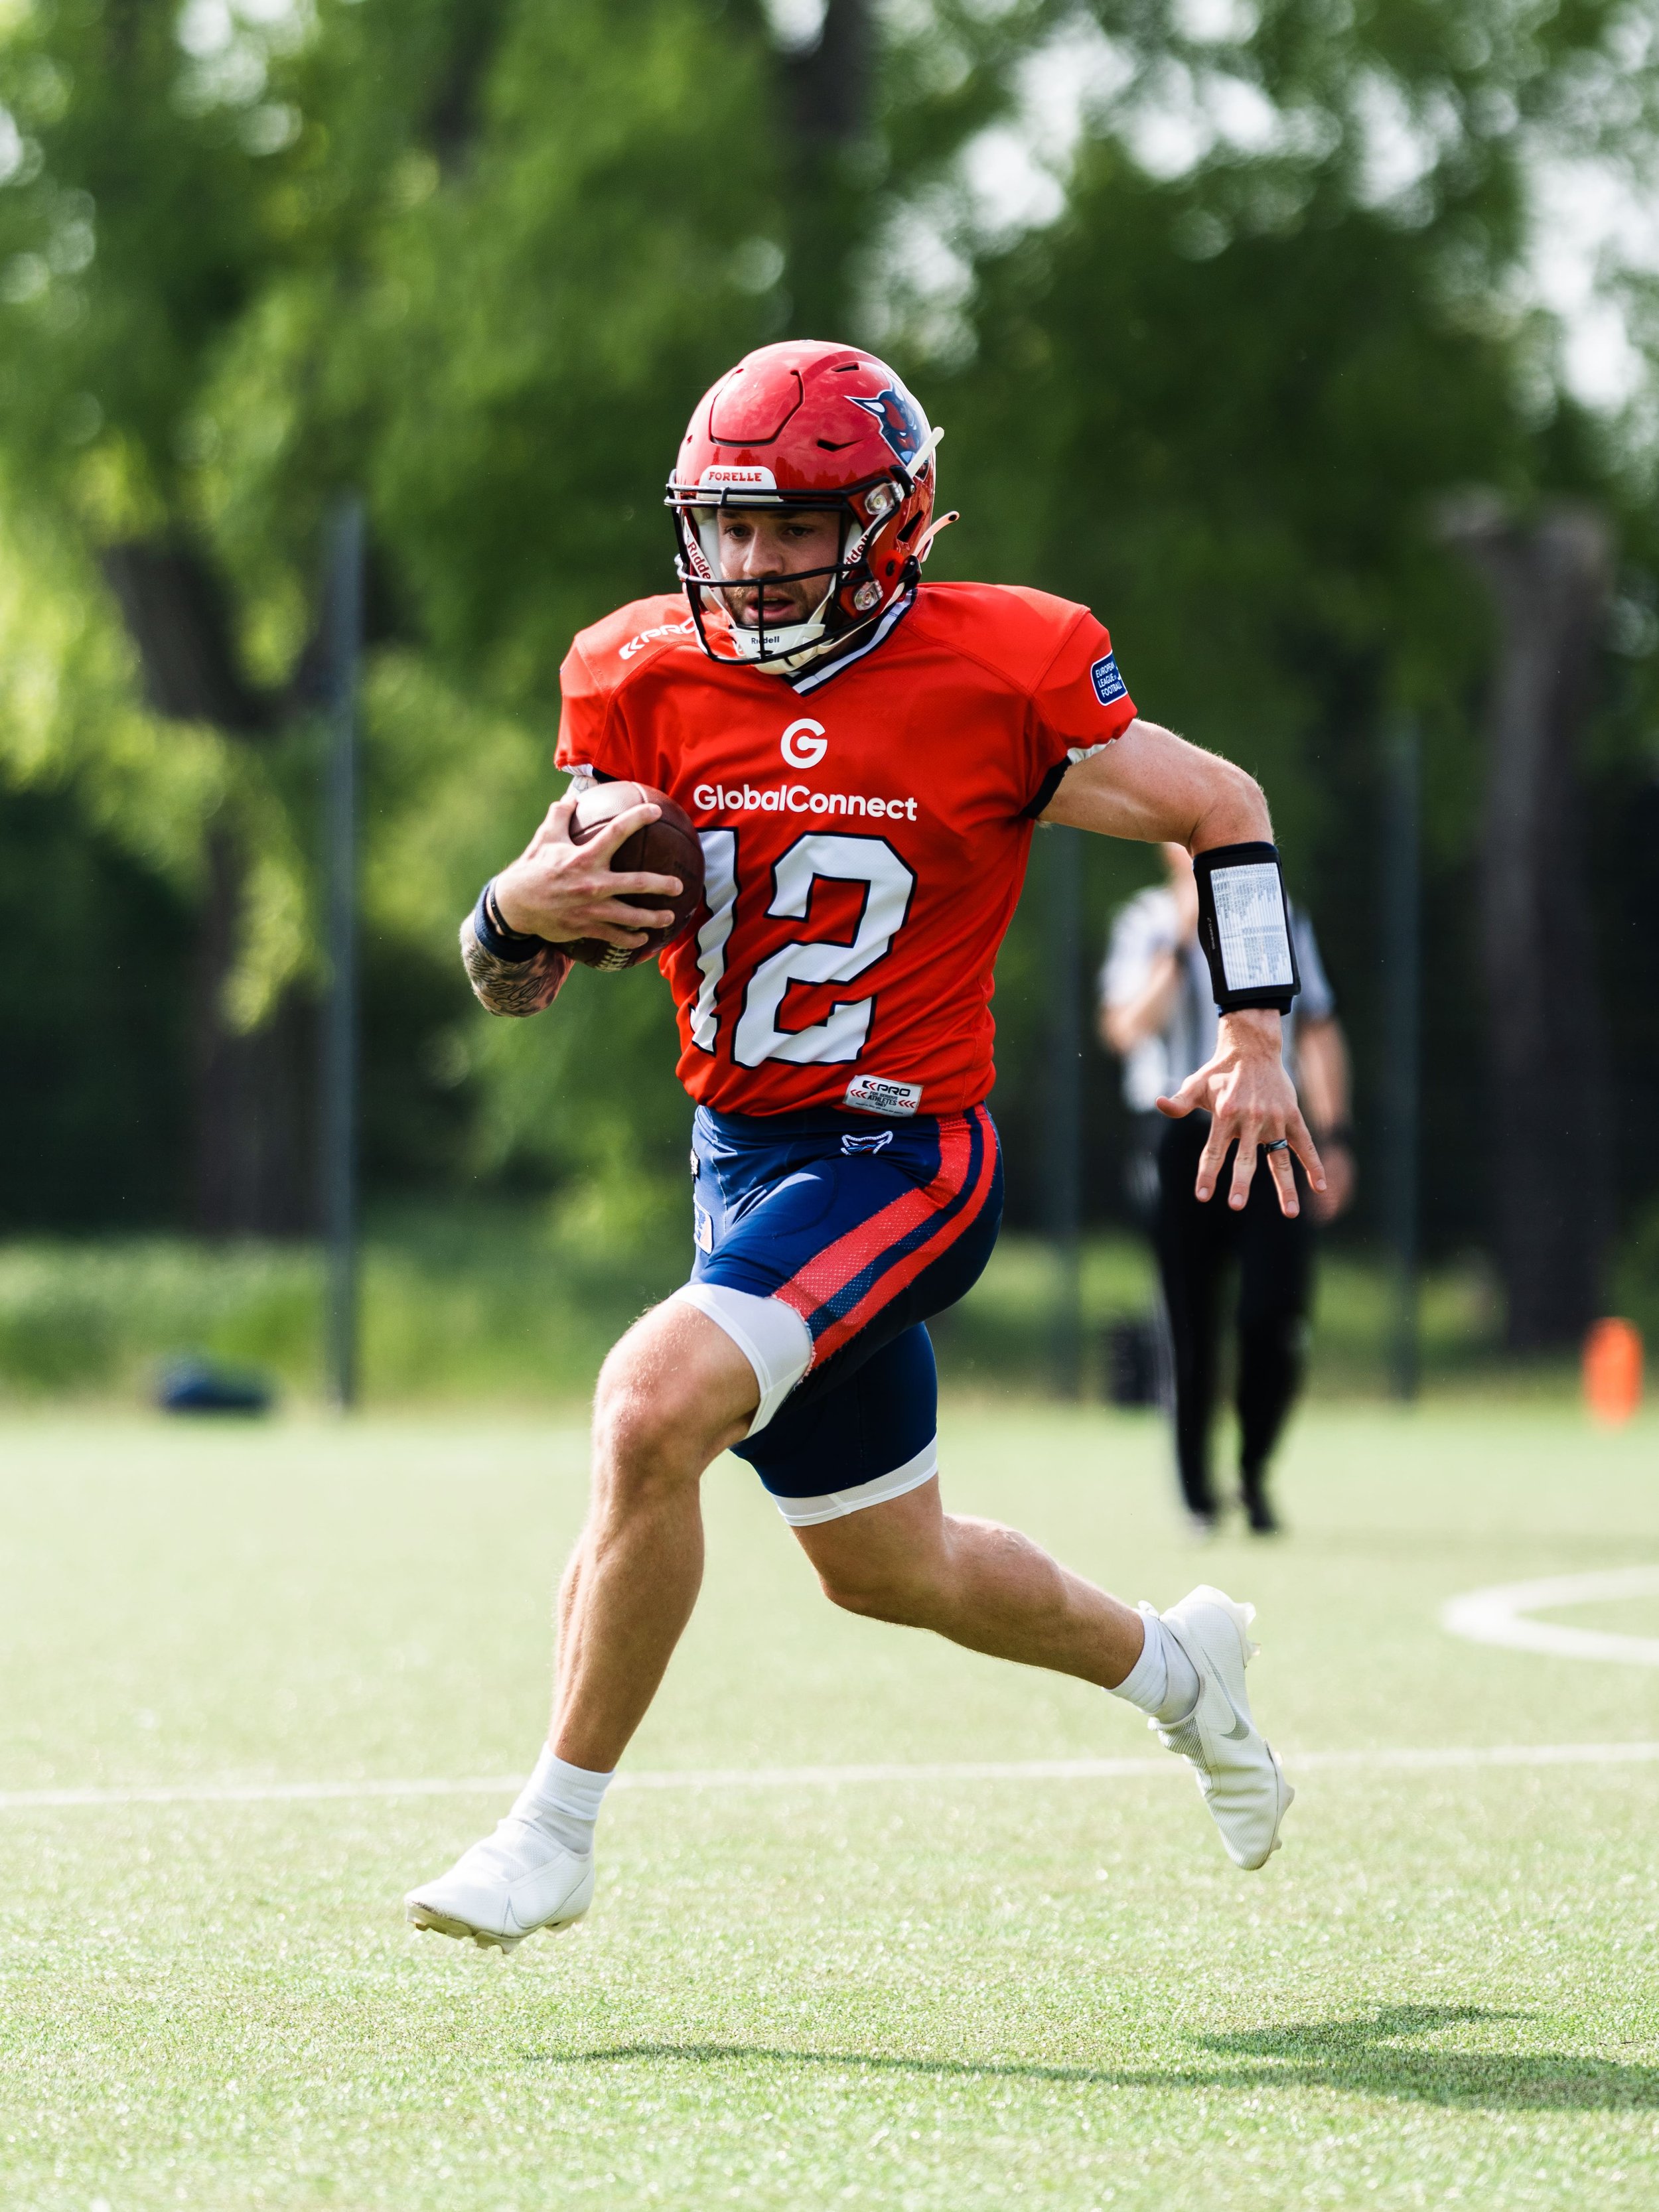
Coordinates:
(807, 1512)
(771, 1336)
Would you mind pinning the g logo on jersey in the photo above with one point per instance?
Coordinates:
(803, 744)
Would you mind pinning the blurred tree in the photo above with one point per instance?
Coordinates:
(1551, 580)
(137, 235)
(1222, 395)
(72, 1155)
(829, 82)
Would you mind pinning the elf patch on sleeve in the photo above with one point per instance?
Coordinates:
(1108, 684)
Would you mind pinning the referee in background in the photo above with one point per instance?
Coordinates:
(1158, 1013)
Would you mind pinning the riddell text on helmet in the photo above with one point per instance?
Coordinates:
(796, 799)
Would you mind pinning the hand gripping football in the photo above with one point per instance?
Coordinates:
(667, 847)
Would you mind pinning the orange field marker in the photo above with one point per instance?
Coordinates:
(1612, 1371)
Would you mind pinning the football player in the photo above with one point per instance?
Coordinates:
(864, 756)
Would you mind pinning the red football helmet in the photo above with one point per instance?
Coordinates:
(807, 424)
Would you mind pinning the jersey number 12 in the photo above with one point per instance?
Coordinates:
(757, 1037)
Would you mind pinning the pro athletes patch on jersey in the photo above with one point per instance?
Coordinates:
(876, 1094)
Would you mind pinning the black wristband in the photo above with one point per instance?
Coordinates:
(494, 935)
(1244, 927)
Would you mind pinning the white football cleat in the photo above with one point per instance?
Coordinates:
(1238, 1774)
(505, 1888)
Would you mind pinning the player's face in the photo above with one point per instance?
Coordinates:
(762, 553)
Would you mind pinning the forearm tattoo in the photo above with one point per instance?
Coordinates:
(512, 986)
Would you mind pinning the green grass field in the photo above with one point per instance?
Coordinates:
(932, 1994)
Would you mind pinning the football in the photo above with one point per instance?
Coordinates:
(667, 847)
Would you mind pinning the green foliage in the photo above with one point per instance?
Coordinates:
(76, 741)
(491, 1307)
(70, 719)
(135, 232)
(504, 349)
(519, 1305)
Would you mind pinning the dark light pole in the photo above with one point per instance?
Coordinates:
(343, 637)
(1402, 1041)
(1062, 1121)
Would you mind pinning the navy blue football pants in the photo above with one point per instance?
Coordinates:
(863, 1226)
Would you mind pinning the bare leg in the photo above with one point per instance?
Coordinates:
(673, 1393)
(975, 1581)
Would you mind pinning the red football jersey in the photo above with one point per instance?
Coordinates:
(864, 840)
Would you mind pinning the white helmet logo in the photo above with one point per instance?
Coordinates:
(804, 743)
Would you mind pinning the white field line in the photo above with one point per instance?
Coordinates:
(1453, 1758)
(1499, 1615)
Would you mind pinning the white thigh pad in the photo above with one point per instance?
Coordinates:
(771, 1336)
(835, 1505)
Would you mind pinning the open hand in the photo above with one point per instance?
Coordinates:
(1247, 1090)
(562, 890)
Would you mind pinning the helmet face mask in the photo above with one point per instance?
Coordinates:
(747, 631)
(755, 634)
(795, 428)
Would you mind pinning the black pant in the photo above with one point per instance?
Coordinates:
(1194, 1244)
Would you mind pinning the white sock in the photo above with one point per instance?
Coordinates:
(563, 1801)
(1162, 1683)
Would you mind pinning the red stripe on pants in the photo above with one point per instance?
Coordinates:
(827, 1274)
